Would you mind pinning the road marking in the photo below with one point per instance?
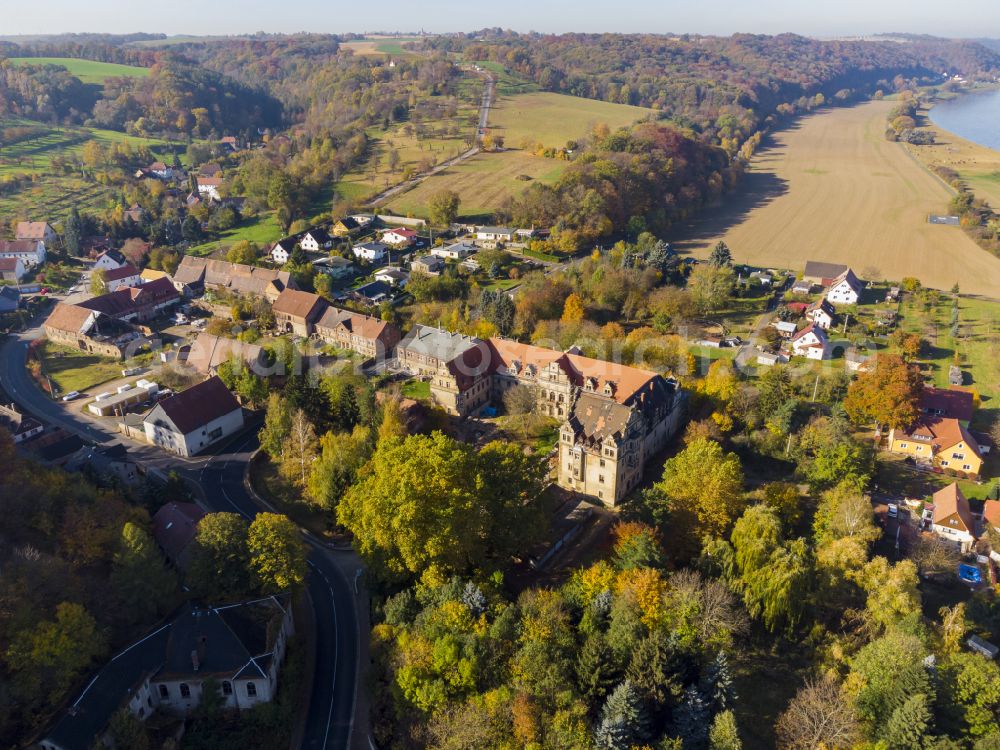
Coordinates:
(336, 656)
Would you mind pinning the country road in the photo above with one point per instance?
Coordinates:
(337, 607)
(484, 113)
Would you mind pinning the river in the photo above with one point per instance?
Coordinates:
(975, 117)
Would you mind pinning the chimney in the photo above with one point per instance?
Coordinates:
(195, 661)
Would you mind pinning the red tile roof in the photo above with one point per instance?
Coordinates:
(948, 402)
(175, 526)
(198, 405)
(950, 501)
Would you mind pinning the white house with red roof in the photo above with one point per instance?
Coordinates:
(122, 278)
(811, 342)
(190, 421)
(399, 237)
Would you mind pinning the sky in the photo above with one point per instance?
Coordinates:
(821, 18)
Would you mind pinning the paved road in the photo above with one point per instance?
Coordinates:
(220, 478)
(484, 112)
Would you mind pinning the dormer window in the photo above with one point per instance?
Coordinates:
(590, 384)
(609, 388)
(514, 367)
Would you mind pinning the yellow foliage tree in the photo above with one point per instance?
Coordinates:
(573, 309)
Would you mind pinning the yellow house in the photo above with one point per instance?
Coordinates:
(939, 441)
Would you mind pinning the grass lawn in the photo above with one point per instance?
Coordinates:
(482, 182)
(553, 119)
(73, 370)
(88, 71)
(417, 389)
(262, 229)
(507, 84)
(976, 346)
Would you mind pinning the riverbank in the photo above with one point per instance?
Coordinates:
(977, 165)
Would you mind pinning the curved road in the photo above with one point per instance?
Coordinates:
(220, 479)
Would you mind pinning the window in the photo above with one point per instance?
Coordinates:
(944, 463)
(966, 467)
(164, 691)
(600, 494)
(215, 434)
(958, 455)
(902, 445)
(601, 479)
(251, 690)
(227, 688)
(185, 690)
(602, 463)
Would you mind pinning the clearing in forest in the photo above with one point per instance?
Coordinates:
(831, 188)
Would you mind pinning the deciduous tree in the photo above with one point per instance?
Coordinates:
(886, 394)
(277, 552)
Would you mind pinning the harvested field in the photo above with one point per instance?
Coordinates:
(832, 188)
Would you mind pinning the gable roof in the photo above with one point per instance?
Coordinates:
(115, 255)
(31, 230)
(70, 318)
(19, 247)
(348, 222)
(596, 418)
(9, 264)
(949, 501)
(814, 329)
(824, 305)
(319, 234)
(402, 232)
(298, 304)
(991, 513)
(943, 433)
(821, 270)
(122, 272)
(209, 351)
(852, 281)
(124, 301)
(197, 406)
(364, 326)
(175, 526)
(948, 402)
(236, 277)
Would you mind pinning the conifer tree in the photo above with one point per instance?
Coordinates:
(624, 719)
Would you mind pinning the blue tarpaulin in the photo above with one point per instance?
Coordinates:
(970, 573)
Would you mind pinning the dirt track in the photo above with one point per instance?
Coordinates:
(833, 189)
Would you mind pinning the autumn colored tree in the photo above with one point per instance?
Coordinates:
(277, 552)
(443, 207)
(702, 488)
(220, 558)
(573, 309)
(886, 394)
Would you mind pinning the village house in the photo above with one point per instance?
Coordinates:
(190, 421)
(160, 170)
(36, 231)
(373, 252)
(991, 517)
(495, 234)
(952, 403)
(109, 260)
(174, 528)
(10, 299)
(399, 237)
(370, 337)
(335, 267)
(431, 265)
(297, 312)
(846, 289)
(785, 328)
(91, 331)
(136, 304)
(938, 441)
(346, 227)
(373, 293)
(524, 235)
(12, 269)
(455, 251)
(209, 187)
(393, 276)
(30, 252)
(151, 274)
(211, 169)
(229, 143)
(951, 518)
(364, 220)
(209, 352)
(811, 342)
(821, 313)
(315, 240)
(822, 274)
(195, 275)
(282, 251)
(20, 426)
(239, 647)
(123, 277)
(106, 463)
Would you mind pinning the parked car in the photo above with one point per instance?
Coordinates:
(71, 395)
(893, 510)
